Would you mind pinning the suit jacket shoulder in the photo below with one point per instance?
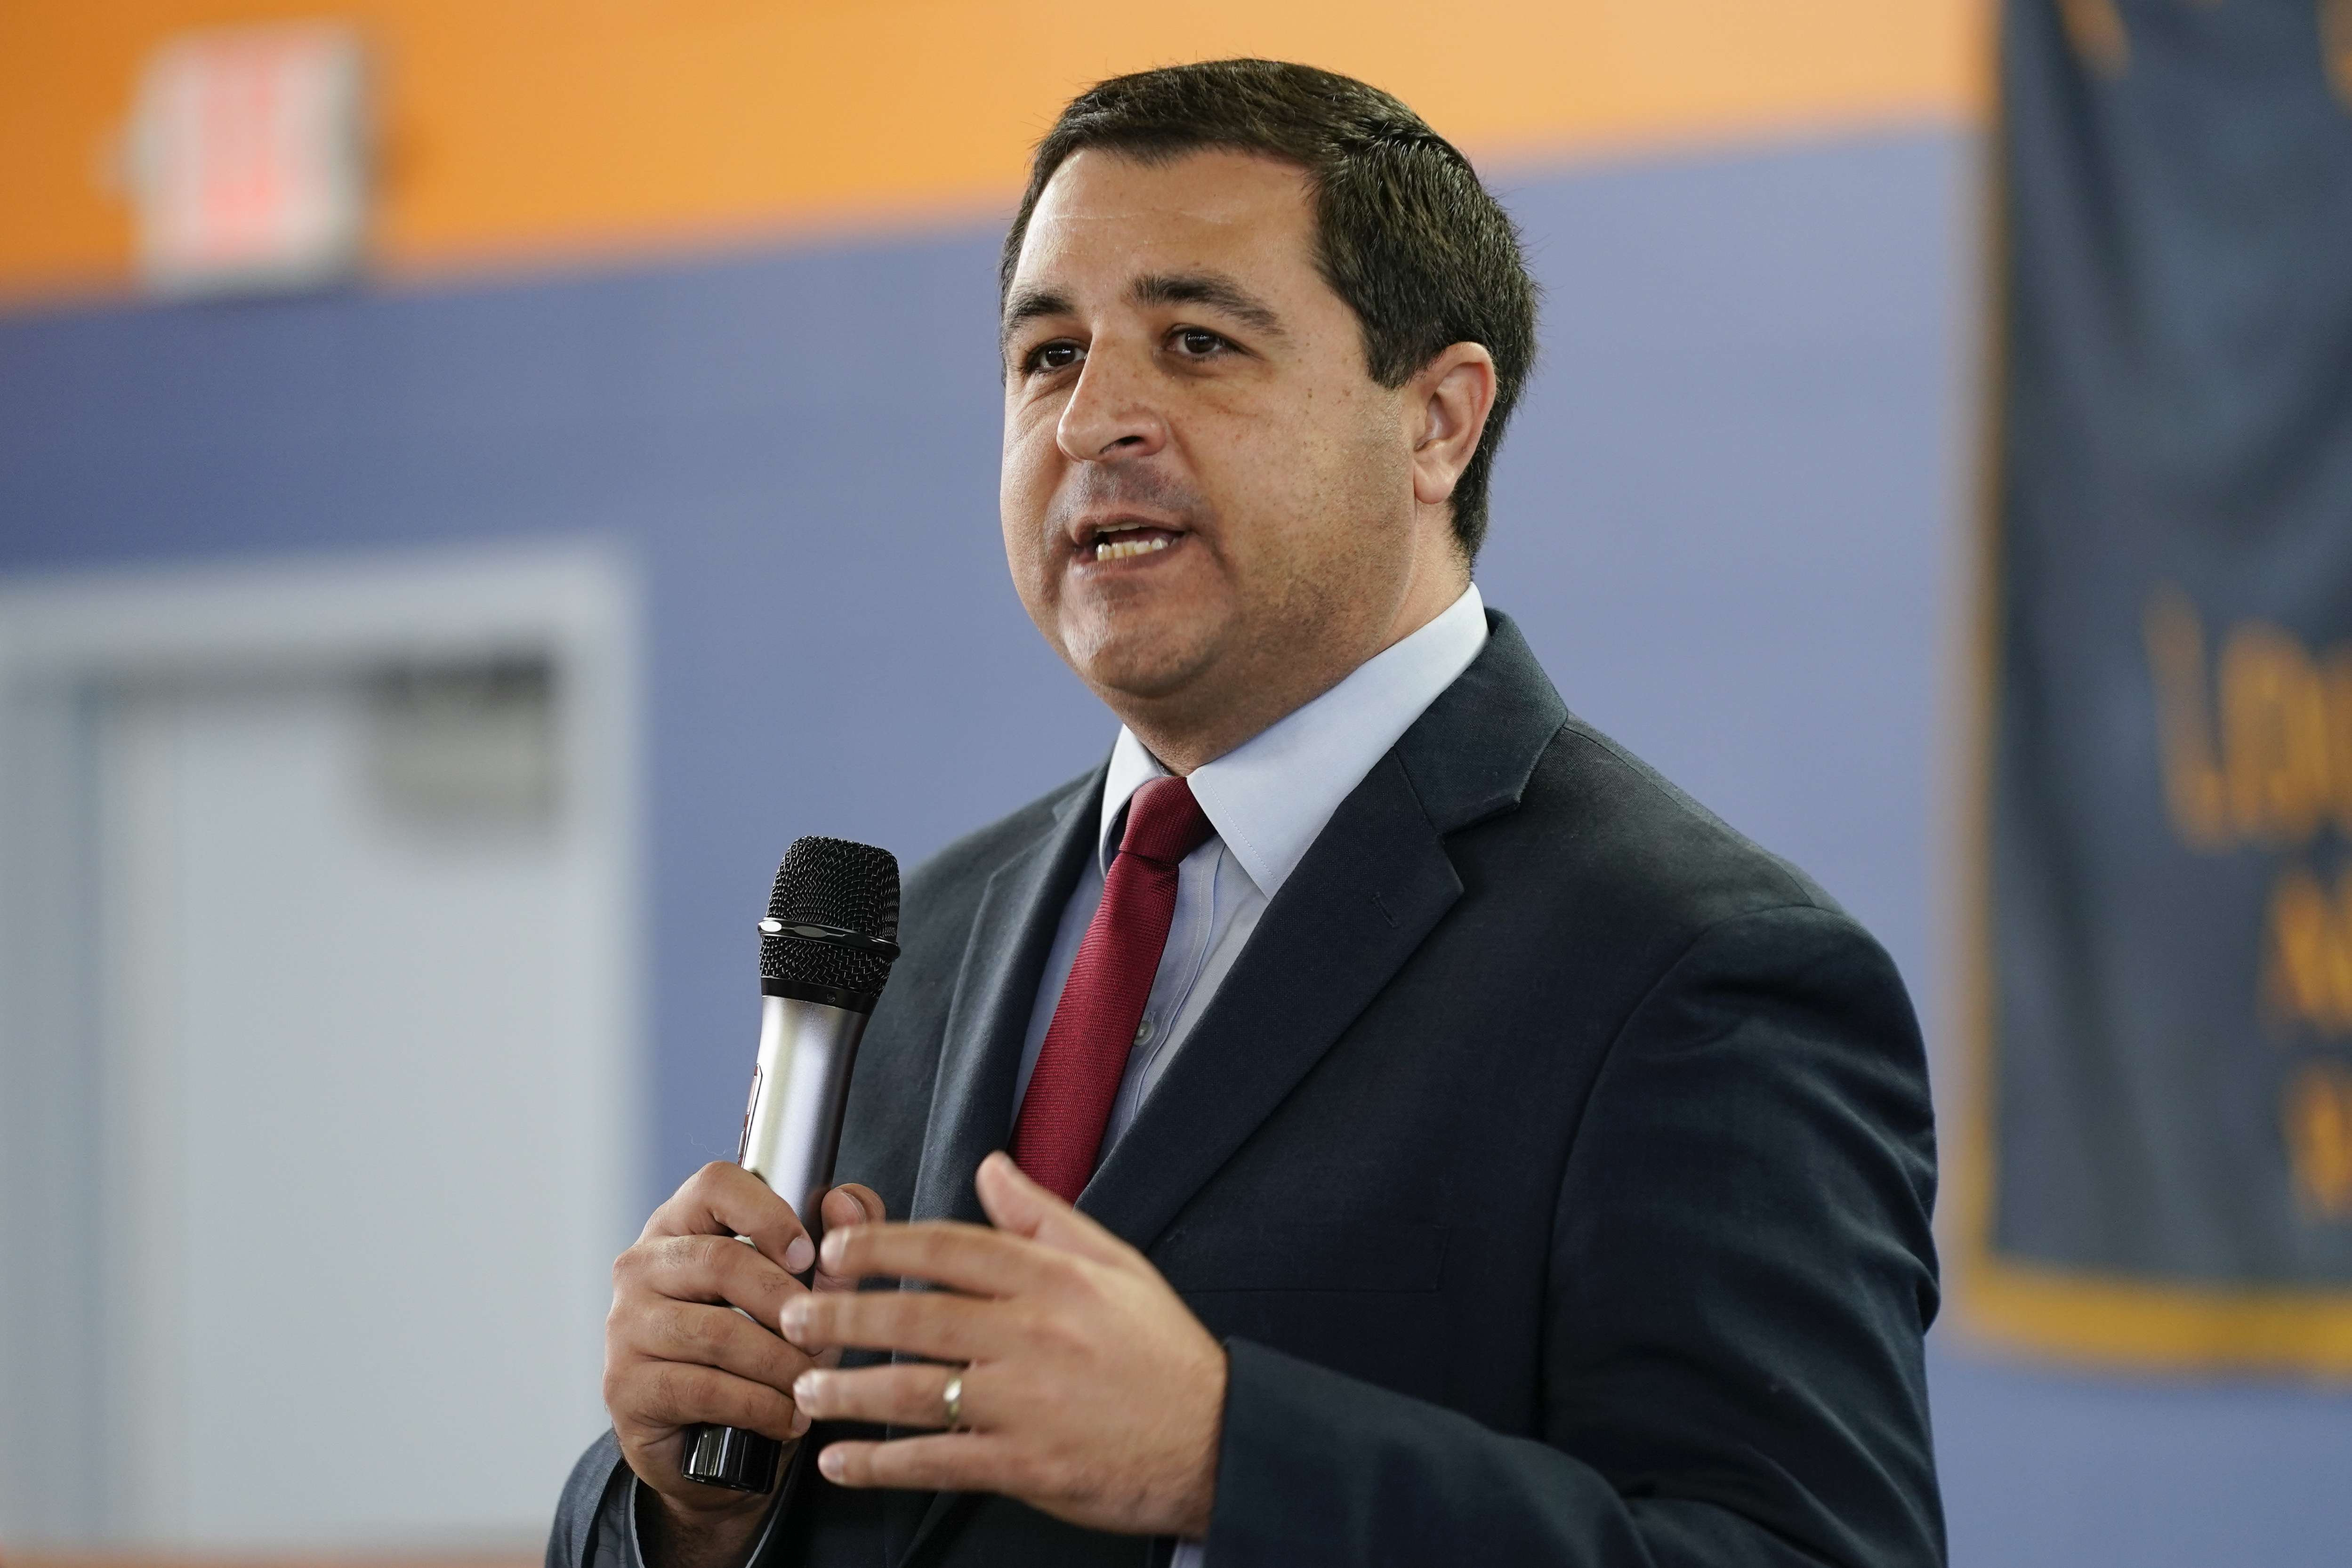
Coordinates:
(1597, 827)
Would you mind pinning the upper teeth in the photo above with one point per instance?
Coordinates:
(1121, 548)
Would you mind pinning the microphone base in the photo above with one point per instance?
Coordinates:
(732, 1458)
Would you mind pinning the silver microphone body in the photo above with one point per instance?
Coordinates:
(825, 949)
(791, 1134)
(791, 1127)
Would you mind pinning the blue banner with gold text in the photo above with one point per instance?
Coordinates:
(2164, 1161)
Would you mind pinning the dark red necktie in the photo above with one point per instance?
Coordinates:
(1060, 1129)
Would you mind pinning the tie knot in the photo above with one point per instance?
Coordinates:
(1164, 823)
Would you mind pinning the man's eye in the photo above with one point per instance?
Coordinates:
(1197, 342)
(1051, 357)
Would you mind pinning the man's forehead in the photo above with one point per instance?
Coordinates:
(1108, 219)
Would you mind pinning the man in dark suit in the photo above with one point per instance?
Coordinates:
(1432, 1138)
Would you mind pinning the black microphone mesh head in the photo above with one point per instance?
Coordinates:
(833, 882)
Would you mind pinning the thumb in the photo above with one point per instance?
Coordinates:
(847, 1205)
(1017, 1205)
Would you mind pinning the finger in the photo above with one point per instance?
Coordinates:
(854, 1203)
(919, 1323)
(969, 1257)
(723, 1199)
(667, 1395)
(950, 1461)
(912, 1396)
(845, 1208)
(1020, 1207)
(711, 1270)
(711, 1336)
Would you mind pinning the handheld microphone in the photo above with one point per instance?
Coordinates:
(825, 949)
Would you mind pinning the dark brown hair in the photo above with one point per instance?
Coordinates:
(1405, 231)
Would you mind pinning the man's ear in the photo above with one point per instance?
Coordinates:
(1449, 399)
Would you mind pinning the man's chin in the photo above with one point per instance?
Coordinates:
(1138, 664)
(1142, 677)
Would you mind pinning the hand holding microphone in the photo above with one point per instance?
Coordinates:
(679, 1354)
(695, 1373)
(1088, 1388)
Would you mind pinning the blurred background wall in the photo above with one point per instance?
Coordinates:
(695, 301)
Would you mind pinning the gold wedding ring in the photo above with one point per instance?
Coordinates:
(952, 1401)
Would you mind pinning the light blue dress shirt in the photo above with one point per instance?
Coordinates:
(1267, 798)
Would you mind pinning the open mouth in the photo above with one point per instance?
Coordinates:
(1125, 541)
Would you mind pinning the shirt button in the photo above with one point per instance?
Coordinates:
(1143, 1033)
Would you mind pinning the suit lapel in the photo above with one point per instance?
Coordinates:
(980, 1056)
(1376, 882)
(1367, 893)
(980, 1051)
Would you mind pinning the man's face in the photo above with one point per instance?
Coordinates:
(1204, 490)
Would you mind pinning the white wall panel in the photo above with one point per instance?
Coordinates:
(362, 1138)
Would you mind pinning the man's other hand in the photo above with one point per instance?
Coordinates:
(1088, 1389)
(677, 1353)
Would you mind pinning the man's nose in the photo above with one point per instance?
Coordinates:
(1111, 416)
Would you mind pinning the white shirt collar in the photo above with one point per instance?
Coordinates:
(1269, 797)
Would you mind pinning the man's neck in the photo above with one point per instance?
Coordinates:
(1185, 734)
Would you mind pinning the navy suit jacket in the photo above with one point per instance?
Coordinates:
(1554, 1165)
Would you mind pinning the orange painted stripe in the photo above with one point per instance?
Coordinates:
(540, 128)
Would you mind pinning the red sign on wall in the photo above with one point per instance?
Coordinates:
(249, 159)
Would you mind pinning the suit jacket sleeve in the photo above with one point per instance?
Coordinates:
(592, 1527)
(1741, 1274)
(596, 1521)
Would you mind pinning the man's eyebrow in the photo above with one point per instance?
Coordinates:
(1027, 304)
(1211, 288)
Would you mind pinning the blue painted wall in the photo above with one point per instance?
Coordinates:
(1728, 519)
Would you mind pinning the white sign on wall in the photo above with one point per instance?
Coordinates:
(249, 159)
